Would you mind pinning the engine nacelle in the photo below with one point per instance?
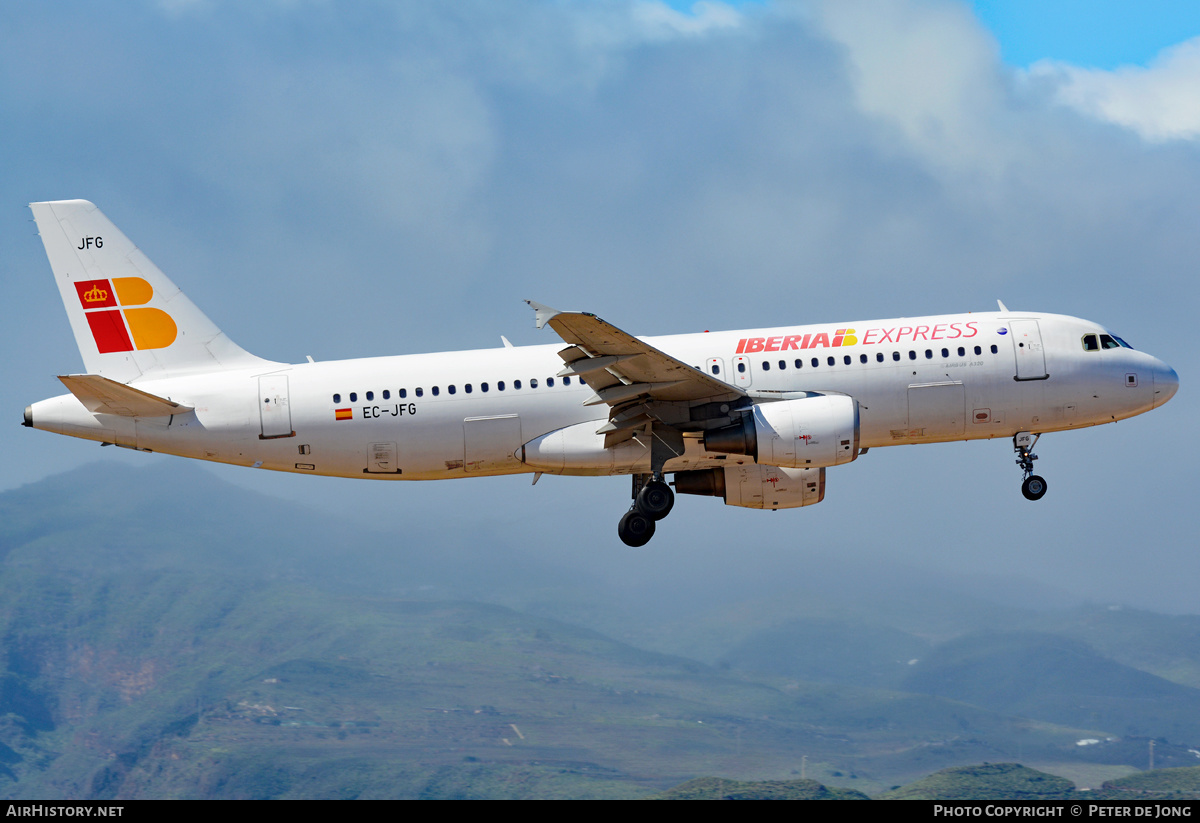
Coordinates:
(756, 486)
(807, 433)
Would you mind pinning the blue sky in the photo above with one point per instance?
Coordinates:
(352, 178)
(1092, 34)
(1082, 32)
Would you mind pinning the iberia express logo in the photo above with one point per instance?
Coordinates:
(841, 337)
(118, 316)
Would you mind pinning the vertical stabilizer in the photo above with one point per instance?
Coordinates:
(130, 321)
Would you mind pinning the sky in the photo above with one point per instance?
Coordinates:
(346, 179)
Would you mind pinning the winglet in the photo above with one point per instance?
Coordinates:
(542, 314)
(1003, 307)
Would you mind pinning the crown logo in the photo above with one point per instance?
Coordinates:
(95, 295)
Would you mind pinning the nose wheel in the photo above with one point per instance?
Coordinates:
(1033, 486)
(652, 501)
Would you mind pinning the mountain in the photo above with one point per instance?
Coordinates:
(163, 634)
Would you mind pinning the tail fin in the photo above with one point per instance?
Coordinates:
(130, 321)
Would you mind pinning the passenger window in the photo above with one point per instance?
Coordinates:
(436, 391)
(799, 363)
(370, 395)
(815, 362)
(862, 358)
(962, 352)
(978, 350)
(403, 393)
(766, 366)
(878, 357)
(420, 392)
(741, 368)
(994, 349)
(533, 383)
(516, 385)
(550, 382)
(929, 354)
(829, 360)
(467, 388)
(715, 369)
(567, 381)
(337, 398)
(387, 394)
(896, 355)
(846, 359)
(353, 397)
(912, 355)
(782, 365)
(500, 385)
(451, 389)
(483, 387)
(945, 352)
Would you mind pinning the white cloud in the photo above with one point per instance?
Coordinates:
(658, 21)
(927, 67)
(1159, 101)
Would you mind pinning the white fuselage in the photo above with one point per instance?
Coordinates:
(469, 413)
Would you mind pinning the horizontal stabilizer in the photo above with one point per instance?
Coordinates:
(103, 396)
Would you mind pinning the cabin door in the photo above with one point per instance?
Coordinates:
(275, 412)
(1027, 344)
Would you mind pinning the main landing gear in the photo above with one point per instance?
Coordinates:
(1033, 486)
(652, 501)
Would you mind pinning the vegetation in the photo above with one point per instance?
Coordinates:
(716, 788)
(989, 781)
(153, 649)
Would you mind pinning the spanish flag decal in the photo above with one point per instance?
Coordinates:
(343, 414)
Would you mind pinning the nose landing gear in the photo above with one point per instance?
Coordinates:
(652, 501)
(1033, 486)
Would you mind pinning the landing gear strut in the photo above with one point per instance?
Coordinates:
(652, 501)
(1033, 486)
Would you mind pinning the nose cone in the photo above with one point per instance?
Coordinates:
(1166, 383)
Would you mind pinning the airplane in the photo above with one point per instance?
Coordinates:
(753, 417)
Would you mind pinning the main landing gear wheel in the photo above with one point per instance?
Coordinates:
(655, 500)
(1033, 488)
(635, 529)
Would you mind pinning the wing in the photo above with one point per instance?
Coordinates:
(641, 384)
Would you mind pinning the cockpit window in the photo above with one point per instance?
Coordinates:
(1095, 342)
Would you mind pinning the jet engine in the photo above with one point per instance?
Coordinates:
(756, 486)
(811, 432)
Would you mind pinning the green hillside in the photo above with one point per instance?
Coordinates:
(716, 788)
(1059, 680)
(831, 651)
(1182, 783)
(989, 781)
(166, 635)
(1165, 645)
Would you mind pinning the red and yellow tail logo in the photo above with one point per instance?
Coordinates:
(115, 326)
